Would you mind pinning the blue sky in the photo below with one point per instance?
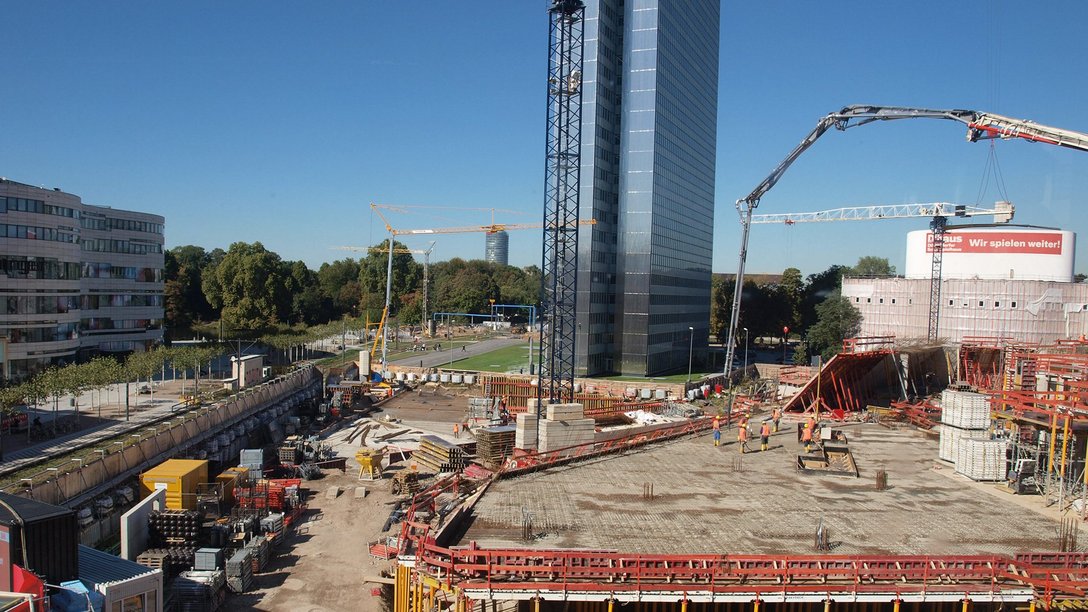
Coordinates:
(281, 122)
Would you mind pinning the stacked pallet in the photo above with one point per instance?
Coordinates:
(964, 416)
(495, 444)
(198, 591)
(439, 455)
(240, 571)
(982, 459)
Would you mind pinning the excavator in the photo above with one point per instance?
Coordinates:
(980, 126)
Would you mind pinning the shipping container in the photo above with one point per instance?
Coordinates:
(50, 535)
(180, 478)
(231, 478)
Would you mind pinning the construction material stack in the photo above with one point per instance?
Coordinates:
(198, 591)
(252, 459)
(495, 444)
(964, 416)
(240, 571)
(208, 560)
(564, 427)
(527, 428)
(982, 460)
(439, 455)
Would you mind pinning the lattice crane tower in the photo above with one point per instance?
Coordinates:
(561, 182)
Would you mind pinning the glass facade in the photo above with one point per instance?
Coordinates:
(497, 248)
(649, 135)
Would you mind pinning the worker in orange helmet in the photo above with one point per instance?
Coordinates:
(742, 437)
(764, 435)
(717, 431)
(776, 416)
(806, 433)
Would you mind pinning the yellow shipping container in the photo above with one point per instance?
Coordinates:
(180, 478)
(231, 478)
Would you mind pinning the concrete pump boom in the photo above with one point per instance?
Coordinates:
(980, 126)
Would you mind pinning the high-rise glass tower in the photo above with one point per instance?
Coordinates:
(497, 247)
(649, 131)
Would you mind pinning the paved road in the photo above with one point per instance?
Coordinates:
(437, 359)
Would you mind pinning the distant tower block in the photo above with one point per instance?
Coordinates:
(497, 248)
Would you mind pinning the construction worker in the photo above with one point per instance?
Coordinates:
(806, 433)
(457, 430)
(717, 431)
(776, 415)
(764, 435)
(742, 437)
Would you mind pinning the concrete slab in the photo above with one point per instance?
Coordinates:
(714, 500)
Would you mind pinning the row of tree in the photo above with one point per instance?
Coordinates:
(250, 287)
(811, 308)
(101, 372)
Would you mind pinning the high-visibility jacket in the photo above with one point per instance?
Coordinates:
(776, 414)
(765, 431)
(742, 434)
(717, 425)
(806, 435)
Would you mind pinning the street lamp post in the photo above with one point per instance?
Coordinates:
(691, 345)
(745, 349)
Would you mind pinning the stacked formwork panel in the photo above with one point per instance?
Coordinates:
(965, 437)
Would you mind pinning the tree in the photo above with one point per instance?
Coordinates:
(339, 281)
(872, 266)
(183, 293)
(721, 304)
(818, 288)
(250, 286)
(836, 320)
(372, 273)
(792, 287)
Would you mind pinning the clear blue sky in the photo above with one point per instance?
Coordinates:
(280, 122)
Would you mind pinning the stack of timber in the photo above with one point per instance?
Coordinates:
(495, 444)
(439, 455)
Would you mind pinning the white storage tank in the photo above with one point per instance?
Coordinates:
(445, 378)
(457, 379)
(470, 379)
(995, 252)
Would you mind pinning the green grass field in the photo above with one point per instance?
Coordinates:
(507, 359)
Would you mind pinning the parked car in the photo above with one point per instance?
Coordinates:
(144, 389)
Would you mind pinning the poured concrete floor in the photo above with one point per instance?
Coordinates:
(702, 505)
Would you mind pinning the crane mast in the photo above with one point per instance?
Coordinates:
(561, 185)
(980, 126)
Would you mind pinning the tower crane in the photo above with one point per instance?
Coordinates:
(1001, 211)
(490, 229)
(385, 311)
(980, 126)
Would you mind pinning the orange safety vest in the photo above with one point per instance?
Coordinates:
(765, 431)
(742, 434)
(717, 425)
(806, 435)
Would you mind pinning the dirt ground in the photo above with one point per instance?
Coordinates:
(324, 565)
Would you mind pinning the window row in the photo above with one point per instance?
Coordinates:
(120, 300)
(103, 323)
(36, 233)
(34, 304)
(951, 302)
(131, 225)
(105, 270)
(53, 333)
(36, 206)
(107, 245)
(40, 268)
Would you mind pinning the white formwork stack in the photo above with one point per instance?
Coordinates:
(981, 459)
(563, 426)
(964, 416)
